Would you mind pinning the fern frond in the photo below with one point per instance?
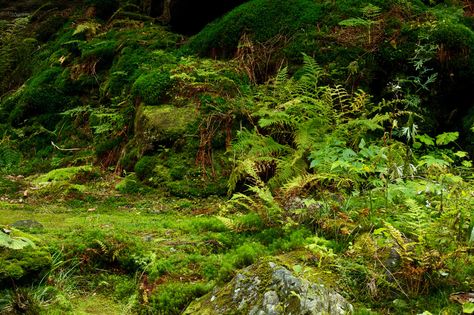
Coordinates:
(298, 183)
(247, 168)
(102, 246)
(311, 69)
(360, 101)
(281, 78)
(341, 98)
(228, 223)
(288, 167)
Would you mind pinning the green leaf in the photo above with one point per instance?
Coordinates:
(460, 154)
(429, 160)
(354, 22)
(466, 163)
(425, 139)
(468, 308)
(14, 242)
(379, 231)
(446, 138)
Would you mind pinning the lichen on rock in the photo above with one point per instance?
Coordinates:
(267, 288)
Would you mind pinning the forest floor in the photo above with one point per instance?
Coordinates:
(121, 254)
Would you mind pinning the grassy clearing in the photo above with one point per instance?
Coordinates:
(140, 253)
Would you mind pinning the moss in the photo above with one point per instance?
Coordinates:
(126, 69)
(131, 185)
(151, 87)
(38, 99)
(145, 166)
(63, 174)
(130, 157)
(23, 265)
(99, 49)
(262, 19)
(163, 124)
(172, 298)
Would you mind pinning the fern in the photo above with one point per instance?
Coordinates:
(103, 246)
(416, 220)
(261, 202)
(228, 223)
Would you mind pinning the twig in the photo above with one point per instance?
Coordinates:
(61, 149)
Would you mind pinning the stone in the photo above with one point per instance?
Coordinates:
(163, 123)
(27, 225)
(267, 288)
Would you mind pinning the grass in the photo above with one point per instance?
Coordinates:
(119, 244)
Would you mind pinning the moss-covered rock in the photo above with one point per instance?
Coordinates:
(63, 174)
(269, 288)
(25, 264)
(163, 124)
(262, 19)
(131, 185)
(64, 183)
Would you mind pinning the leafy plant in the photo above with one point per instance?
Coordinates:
(14, 242)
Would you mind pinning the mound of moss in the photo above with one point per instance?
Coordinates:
(21, 261)
(261, 19)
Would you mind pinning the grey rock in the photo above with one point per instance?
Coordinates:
(27, 225)
(270, 289)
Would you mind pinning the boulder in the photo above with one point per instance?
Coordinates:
(163, 124)
(267, 288)
(27, 225)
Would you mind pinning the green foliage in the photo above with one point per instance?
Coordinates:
(21, 262)
(6, 241)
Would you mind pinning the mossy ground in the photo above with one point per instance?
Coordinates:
(145, 253)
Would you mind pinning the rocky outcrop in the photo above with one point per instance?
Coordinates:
(267, 288)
